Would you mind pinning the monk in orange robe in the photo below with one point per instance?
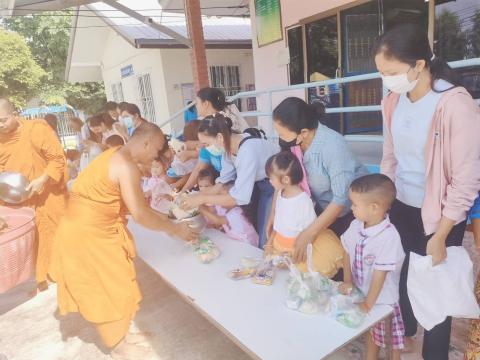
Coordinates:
(94, 251)
(32, 148)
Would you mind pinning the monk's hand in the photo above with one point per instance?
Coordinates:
(437, 249)
(186, 232)
(192, 201)
(37, 185)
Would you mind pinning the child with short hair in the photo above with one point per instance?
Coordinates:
(156, 189)
(232, 221)
(293, 211)
(374, 256)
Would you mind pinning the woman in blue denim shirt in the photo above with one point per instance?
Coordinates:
(329, 164)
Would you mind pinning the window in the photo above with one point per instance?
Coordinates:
(117, 92)
(226, 78)
(295, 47)
(146, 97)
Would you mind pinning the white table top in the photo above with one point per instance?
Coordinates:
(254, 316)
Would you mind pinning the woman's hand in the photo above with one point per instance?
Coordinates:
(345, 288)
(184, 231)
(300, 252)
(437, 249)
(192, 201)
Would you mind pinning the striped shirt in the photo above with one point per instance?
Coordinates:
(331, 167)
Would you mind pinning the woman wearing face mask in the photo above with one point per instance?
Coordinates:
(243, 159)
(329, 165)
(131, 118)
(211, 101)
(431, 128)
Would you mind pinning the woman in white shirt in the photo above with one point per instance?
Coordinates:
(243, 160)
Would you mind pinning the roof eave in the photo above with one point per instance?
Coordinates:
(209, 44)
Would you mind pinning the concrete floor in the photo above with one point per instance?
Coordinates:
(30, 328)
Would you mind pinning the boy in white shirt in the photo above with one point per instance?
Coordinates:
(373, 257)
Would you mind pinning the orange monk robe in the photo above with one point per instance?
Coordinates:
(93, 258)
(33, 149)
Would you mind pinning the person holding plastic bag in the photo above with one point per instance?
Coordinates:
(431, 152)
(373, 258)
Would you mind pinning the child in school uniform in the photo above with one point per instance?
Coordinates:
(374, 256)
(293, 211)
(232, 221)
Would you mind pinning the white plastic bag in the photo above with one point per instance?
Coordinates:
(436, 292)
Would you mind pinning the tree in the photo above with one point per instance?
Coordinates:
(451, 41)
(48, 35)
(474, 37)
(20, 75)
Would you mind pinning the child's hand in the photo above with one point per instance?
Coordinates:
(364, 307)
(345, 288)
(267, 249)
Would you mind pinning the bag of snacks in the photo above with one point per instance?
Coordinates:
(308, 292)
(205, 250)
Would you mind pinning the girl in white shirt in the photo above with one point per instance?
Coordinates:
(293, 212)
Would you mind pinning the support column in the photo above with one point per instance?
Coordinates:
(193, 16)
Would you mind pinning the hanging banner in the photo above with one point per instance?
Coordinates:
(268, 21)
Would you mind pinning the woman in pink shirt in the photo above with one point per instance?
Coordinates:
(431, 152)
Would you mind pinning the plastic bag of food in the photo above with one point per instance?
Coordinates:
(205, 250)
(346, 311)
(308, 292)
(264, 273)
(241, 273)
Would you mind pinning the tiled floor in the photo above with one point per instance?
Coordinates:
(30, 329)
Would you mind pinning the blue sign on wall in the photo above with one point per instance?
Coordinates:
(126, 71)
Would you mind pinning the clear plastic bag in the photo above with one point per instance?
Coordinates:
(205, 250)
(308, 292)
(345, 310)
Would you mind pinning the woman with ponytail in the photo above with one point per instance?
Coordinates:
(329, 165)
(431, 152)
(211, 101)
(244, 156)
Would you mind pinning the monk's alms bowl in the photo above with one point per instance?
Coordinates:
(13, 188)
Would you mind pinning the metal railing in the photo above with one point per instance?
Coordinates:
(348, 109)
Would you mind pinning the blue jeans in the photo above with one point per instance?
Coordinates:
(265, 198)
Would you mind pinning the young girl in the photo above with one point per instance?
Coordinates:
(157, 191)
(233, 221)
(293, 212)
(373, 257)
(431, 127)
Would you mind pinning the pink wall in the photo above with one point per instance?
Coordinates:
(268, 72)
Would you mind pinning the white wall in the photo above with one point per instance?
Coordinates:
(178, 70)
(119, 53)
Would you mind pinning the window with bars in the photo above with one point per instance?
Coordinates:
(117, 92)
(146, 97)
(226, 78)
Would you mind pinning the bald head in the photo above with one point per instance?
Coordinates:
(148, 142)
(8, 117)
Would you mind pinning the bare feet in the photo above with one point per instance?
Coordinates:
(126, 351)
(38, 289)
(409, 344)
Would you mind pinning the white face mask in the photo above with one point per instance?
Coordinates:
(127, 122)
(399, 83)
(215, 150)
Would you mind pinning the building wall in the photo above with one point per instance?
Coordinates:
(119, 53)
(178, 70)
(268, 69)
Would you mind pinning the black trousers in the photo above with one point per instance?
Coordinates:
(408, 221)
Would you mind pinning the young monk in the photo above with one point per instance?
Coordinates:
(93, 258)
(32, 148)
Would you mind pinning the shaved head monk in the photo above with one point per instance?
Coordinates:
(32, 148)
(93, 258)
